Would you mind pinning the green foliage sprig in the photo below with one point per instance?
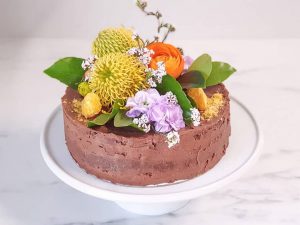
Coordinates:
(204, 73)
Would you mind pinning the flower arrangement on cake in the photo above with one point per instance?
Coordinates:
(132, 87)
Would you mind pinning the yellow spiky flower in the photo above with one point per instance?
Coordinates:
(113, 40)
(117, 76)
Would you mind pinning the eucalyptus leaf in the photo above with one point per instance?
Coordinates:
(220, 72)
(202, 64)
(67, 70)
(103, 118)
(192, 79)
(171, 84)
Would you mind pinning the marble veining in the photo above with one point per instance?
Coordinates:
(267, 81)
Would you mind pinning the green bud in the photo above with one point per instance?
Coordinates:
(84, 89)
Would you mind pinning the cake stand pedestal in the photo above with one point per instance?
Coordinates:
(245, 142)
(152, 209)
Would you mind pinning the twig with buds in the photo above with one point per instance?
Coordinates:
(161, 25)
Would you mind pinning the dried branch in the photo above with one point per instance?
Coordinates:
(142, 5)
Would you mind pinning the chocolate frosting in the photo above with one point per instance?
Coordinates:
(127, 156)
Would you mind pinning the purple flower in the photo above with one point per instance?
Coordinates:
(161, 110)
(166, 116)
(141, 102)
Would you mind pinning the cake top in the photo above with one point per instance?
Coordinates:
(144, 84)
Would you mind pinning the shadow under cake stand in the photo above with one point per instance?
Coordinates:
(245, 142)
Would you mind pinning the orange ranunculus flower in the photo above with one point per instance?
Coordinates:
(170, 55)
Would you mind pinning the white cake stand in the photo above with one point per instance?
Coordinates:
(245, 142)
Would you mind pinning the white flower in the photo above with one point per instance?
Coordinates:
(171, 98)
(151, 82)
(144, 119)
(89, 62)
(134, 35)
(172, 138)
(195, 116)
(143, 54)
(143, 123)
(156, 75)
(146, 128)
(132, 51)
(135, 121)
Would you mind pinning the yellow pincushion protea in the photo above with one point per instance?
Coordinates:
(117, 76)
(113, 40)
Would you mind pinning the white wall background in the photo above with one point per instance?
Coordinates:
(194, 19)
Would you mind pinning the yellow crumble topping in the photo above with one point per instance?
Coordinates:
(214, 103)
(77, 109)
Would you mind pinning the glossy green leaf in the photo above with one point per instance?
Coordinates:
(67, 70)
(171, 84)
(202, 64)
(192, 79)
(220, 72)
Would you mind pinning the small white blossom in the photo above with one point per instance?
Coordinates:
(134, 35)
(195, 116)
(89, 62)
(132, 51)
(146, 128)
(143, 123)
(135, 121)
(144, 119)
(143, 54)
(156, 75)
(87, 76)
(172, 138)
(151, 82)
(171, 98)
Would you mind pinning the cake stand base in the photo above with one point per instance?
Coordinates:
(245, 142)
(152, 209)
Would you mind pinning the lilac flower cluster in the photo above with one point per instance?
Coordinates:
(162, 111)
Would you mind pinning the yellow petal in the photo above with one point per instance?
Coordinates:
(199, 97)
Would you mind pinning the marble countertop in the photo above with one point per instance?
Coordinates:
(267, 81)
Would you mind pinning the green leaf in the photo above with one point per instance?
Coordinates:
(121, 120)
(220, 72)
(192, 79)
(171, 84)
(67, 70)
(202, 64)
(192, 101)
(99, 120)
(102, 119)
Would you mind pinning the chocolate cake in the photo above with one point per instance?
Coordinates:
(142, 112)
(130, 157)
